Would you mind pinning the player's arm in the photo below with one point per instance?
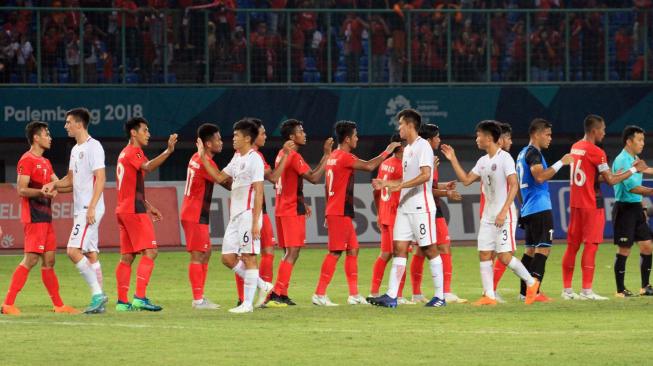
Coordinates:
(512, 193)
(23, 189)
(644, 191)
(612, 179)
(98, 188)
(423, 177)
(315, 175)
(450, 194)
(217, 175)
(541, 175)
(369, 165)
(463, 177)
(66, 186)
(156, 214)
(272, 175)
(648, 171)
(153, 164)
(258, 208)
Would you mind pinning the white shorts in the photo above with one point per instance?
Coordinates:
(238, 235)
(495, 239)
(83, 236)
(417, 227)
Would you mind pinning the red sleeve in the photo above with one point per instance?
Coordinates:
(25, 167)
(349, 161)
(597, 157)
(134, 159)
(299, 165)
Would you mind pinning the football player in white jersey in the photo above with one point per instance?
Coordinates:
(496, 235)
(86, 175)
(415, 221)
(242, 237)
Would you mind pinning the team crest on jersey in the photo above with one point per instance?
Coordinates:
(242, 166)
(20, 170)
(81, 155)
(494, 167)
(38, 166)
(138, 155)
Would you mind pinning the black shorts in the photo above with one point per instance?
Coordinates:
(630, 224)
(538, 228)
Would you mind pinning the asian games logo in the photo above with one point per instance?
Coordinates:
(394, 106)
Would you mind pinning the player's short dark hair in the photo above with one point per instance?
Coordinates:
(429, 131)
(490, 127)
(537, 125)
(254, 120)
(288, 128)
(344, 129)
(206, 131)
(34, 128)
(397, 138)
(505, 128)
(629, 133)
(134, 123)
(247, 128)
(591, 121)
(411, 115)
(81, 114)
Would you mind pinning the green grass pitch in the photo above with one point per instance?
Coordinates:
(617, 331)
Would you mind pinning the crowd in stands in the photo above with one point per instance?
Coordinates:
(147, 39)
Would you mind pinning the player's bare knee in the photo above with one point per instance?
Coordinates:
(336, 253)
(74, 254)
(151, 253)
(646, 247)
(30, 260)
(625, 251)
(127, 259)
(250, 261)
(352, 252)
(48, 261)
(444, 248)
(385, 256)
(485, 256)
(430, 251)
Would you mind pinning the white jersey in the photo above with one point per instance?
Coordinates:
(494, 172)
(84, 159)
(245, 170)
(417, 199)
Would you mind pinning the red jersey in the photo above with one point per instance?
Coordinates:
(266, 166)
(39, 170)
(589, 161)
(198, 192)
(438, 201)
(290, 186)
(339, 183)
(390, 169)
(130, 180)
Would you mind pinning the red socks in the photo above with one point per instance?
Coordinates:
(123, 276)
(17, 282)
(196, 277)
(351, 271)
(326, 273)
(587, 263)
(283, 278)
(52, 285)
(205, 272)
(265, 269)
(499, 270)
(447, 271)
(377, 275)
(240, 287)
(568, 264)
(143, 274)
(416, 270)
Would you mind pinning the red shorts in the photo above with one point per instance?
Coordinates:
(441, 231)
(586, 225)
(197, 236)
(291, 231)
(342, 235)
(39, 237)
(386, 239)
(136, 233)
(267, 236)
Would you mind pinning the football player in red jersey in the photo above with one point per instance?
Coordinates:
(339, 191)
(135, 226)
(290, 209)
(587, 215)
(35, 171)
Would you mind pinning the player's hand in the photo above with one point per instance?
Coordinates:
(454, 196)
(309, 212)
(172, 141)
(256, 231)
(640, 165)
(90, 216)
(501, 219)
(288, 146)
(392, 147)
(448, 152)
(156, 214)
(451, 185)
(394, 186)
(379, 184)
(567, 159)
(328, 146)
(46, 189)
(50, 194)
(436, 161)
(326, 226)
(200, 146)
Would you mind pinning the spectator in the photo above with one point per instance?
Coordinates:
(624, 46)
(132, 34)
(258, 53)
(24, 57)
(224, 20)
(239, 55)
(352, 31)
(397, 44)
(593, 51)
(517, 70)
(499, 32)
(380, 33)
(50, 51)
(72, 55)
(274, 19)
(148, 49)
(297, 54)
(91, 52)
(7, 57)
(308, 23)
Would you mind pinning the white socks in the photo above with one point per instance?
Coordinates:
(487, 279)
(84, 268)
(397, 271)
(251, 275)
(438, 277)
(518, 268)
(98, 272)
(240, 270)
